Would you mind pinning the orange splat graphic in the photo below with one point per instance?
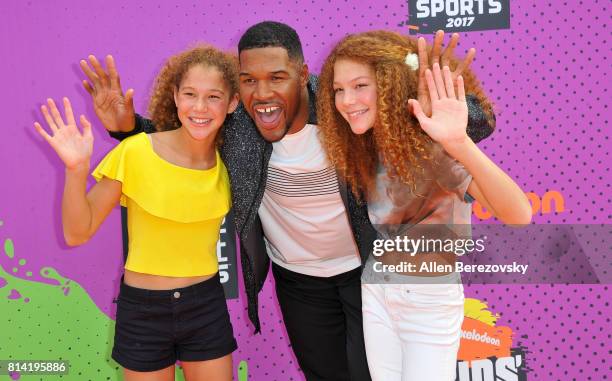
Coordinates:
(480, 340)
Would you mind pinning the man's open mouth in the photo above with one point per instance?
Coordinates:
(268, 116)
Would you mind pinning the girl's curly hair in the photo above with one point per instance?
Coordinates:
(162, 108)
(396, 140)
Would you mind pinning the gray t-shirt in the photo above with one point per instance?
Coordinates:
(436, 207)
(437, 198)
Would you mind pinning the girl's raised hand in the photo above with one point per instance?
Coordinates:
(448, 122)
(72, 146)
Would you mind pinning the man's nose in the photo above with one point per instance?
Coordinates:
(262, 90)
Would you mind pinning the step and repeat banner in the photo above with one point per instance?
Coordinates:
(544, 64)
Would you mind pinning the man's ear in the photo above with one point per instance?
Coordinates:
(234, 100)
(304, 75)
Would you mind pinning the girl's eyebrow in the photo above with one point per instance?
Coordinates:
(193, 88)
(355, 79)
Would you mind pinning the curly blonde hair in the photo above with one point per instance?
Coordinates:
(162, 108)
(396, 139)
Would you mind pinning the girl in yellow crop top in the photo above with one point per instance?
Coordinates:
(176, 189)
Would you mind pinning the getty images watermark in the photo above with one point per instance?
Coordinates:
(493, 254)
(424, 246)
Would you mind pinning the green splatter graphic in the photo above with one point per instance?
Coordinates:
(243, 371)
(9, 248)
(55, 326)
(51, 273)
(47, 322)
(22, 262)
(29, 273)
(15, 269)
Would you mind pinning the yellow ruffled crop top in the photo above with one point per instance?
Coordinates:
(174, 213)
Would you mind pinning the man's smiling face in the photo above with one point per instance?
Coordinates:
(272, 89)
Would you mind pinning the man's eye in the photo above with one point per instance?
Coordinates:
(360, 85)
(189, 94)
(249, 81)
(275, 78)
(337, 90)
(215, 97)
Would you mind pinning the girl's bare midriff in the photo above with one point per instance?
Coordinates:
(158, 282)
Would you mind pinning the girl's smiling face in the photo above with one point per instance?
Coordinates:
(355, 94)
(203, 101)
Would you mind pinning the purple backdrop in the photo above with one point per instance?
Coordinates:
(547, 75)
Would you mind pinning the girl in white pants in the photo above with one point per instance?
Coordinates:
(416, 167)
(412, 331)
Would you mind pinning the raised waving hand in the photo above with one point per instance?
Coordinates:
(82, 211)
(490, 185)
(114, 108)
(448, 122)
(443, 59)
(72, 146)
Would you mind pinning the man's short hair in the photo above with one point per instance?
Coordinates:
(271, 34)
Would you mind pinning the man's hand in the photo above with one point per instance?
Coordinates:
(423, 92)
(114, 109)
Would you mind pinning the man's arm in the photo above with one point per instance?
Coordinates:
(480, 126)
(114, 108)
(141, 124)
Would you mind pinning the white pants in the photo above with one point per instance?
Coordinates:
(412, 331)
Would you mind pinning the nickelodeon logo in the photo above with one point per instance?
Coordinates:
(485, 351)
(544, 204)
(481, 338)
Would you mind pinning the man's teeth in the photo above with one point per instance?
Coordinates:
(200, 121)
(267, 109)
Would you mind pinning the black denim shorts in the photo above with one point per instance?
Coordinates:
(154, 328)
